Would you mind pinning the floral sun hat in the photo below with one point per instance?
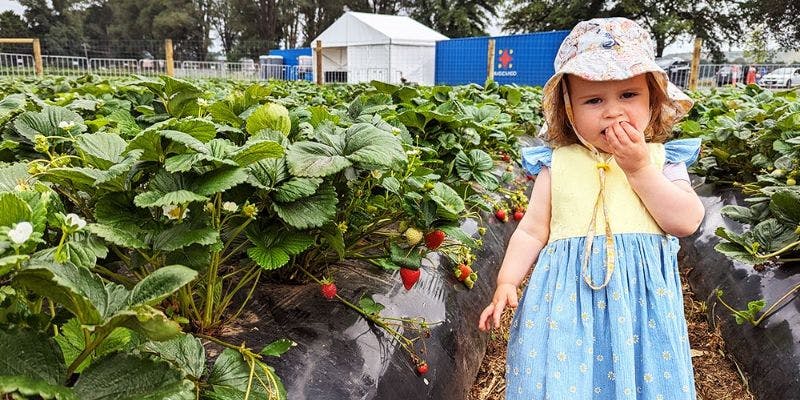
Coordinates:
(603, 49)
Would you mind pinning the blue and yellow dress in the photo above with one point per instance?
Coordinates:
(627, 340)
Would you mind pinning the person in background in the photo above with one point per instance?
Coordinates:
(751, 75)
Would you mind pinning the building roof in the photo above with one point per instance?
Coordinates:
(355, 28)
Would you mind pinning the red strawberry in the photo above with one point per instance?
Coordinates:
(529, 177)
(462, 272)
(409, 276)
(328, 289)
(434, 239)
(505, 157)
(501, 215)
(422, 368)
(518, 215)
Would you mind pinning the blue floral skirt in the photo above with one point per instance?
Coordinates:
(626, 341)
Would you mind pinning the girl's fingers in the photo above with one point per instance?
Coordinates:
(498, 312)
(634, 135)
(512, 300)
(487, 312)
(611, 138)
(622, 136)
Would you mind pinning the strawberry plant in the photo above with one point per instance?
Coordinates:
(127, 182)
(750, 143)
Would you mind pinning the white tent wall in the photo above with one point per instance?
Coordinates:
(379, 47)
(333, 59)
(369, 62)
(414, 63)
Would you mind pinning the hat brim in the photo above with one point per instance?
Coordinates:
(608, 65)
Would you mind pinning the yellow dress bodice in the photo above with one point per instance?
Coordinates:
(575, 184)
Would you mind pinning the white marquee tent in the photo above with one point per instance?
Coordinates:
(361, 47)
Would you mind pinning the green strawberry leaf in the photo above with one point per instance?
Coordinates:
(273, 247)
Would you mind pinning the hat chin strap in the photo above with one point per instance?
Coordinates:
(600, 203)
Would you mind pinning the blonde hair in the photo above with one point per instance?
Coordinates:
(659, 129)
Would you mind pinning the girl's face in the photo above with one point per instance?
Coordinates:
(596, 105)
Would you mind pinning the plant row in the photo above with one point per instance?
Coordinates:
(140, 215)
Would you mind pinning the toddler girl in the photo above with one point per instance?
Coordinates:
(602, 315)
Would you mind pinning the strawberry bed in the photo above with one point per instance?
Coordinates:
(744, 258)
(147, 222)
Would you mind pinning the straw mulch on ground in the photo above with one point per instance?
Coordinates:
(717, 376)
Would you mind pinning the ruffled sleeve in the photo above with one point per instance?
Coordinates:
(682, 151)
(534, 158)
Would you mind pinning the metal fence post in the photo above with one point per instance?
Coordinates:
(168, 55)
(693, 75)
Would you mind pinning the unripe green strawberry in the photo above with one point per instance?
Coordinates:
(413, 236)
(482, 231)
(428, 186)
(402, 226)
(777, 173)
(791, 182)
(470, 281)
(797, 230)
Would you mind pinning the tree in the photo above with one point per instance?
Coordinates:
(39, 16)
(756, 45)
(142, 25)
(222, 14)
(12, 26)
(523, 16)
(455, 18)
(781, 17)
(667, 20)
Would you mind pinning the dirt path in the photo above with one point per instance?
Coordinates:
(716, 374)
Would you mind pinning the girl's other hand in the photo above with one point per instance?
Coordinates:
(628, 146)
(505, 295)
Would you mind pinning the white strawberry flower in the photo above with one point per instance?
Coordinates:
(21, 233)
(172, 211)
(66, 125)
(202, 102)
(230, 206)
(74, 220)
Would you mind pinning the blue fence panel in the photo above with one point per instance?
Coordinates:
(461, 61)
(520, 59)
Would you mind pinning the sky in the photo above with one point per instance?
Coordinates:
(494, 30)
(10, 5)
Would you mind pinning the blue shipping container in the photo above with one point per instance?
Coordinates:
(290, 55)
(520, 59)
(291, 70)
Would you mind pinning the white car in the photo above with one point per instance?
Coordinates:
(781, 77)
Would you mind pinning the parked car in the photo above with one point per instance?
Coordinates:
(729, 74)
(781, 77)
(677, 70)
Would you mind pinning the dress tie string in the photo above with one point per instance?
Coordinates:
(600, 203)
